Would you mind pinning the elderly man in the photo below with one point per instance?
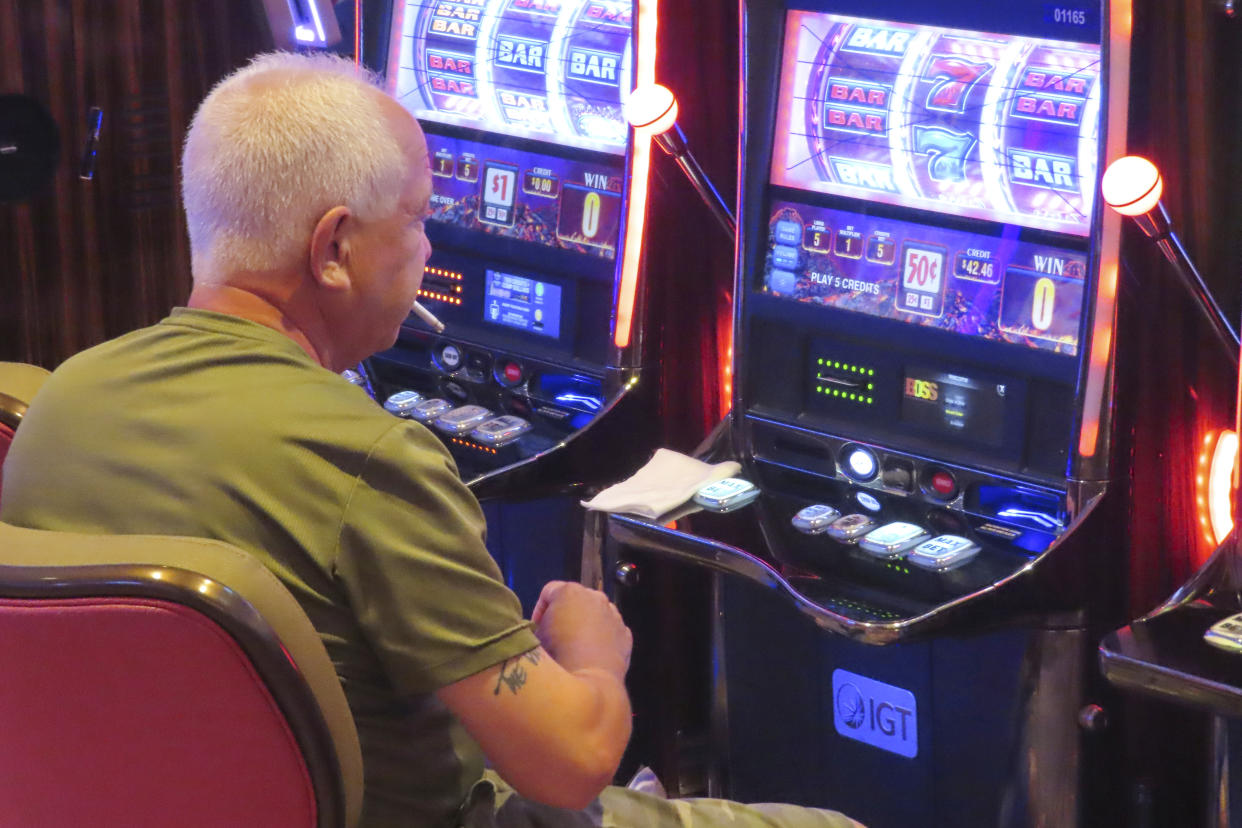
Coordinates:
(305, 191)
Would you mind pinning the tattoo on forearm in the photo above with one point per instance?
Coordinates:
(513, 674)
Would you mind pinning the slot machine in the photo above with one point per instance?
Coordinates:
(902, 625)
(536, 226)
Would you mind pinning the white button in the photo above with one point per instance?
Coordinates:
(862, 464)
(867, 501)
(450, 357)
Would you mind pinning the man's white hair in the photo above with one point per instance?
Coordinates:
(272, 148)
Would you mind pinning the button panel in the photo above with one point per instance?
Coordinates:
(453, 373)
(790, 450)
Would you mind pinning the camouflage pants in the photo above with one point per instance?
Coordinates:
(493, 804)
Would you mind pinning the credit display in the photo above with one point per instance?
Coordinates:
(998, 287)
(989, 126)
(554, 70)
(522, 194)
(523, 303)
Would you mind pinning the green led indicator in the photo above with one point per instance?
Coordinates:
(836, 365)
(821, 361)
(835, 392)
(868, 401)
(871, 386)
(871, 372)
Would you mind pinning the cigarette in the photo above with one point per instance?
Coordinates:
(428, 317)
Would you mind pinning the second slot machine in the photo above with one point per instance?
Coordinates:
(901, 625)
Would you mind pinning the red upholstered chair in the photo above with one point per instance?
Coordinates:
(153, 681)
(18, 384)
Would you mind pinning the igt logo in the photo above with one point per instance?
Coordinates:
(851, 706)
(875, 713)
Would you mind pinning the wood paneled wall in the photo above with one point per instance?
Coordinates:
(88, 260)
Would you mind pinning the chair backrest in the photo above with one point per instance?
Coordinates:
(18, 384)
(164, 681)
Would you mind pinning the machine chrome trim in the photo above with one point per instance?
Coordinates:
(11, 410)
(1050, 770)
(479, 483)
(1082, 495)
(718, 717)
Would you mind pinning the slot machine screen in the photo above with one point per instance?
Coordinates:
(522, 104)
(935, 176)
(523, 304)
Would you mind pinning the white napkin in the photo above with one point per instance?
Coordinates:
(668, 480)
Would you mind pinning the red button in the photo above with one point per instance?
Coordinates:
(513, 372)
(943, 484)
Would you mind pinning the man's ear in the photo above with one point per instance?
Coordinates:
(329, 247)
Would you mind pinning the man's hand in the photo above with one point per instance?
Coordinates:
(581, 628)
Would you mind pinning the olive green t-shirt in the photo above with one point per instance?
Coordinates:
(212, 426)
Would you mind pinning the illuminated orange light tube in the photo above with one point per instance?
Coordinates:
(358, 32)
(1101, 349)
(640, 167)
(1120, 24)
(1214, 484)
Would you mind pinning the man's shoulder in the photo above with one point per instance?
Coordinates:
(230, 372)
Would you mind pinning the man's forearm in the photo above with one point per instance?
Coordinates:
(612, 719)
(555, 735)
